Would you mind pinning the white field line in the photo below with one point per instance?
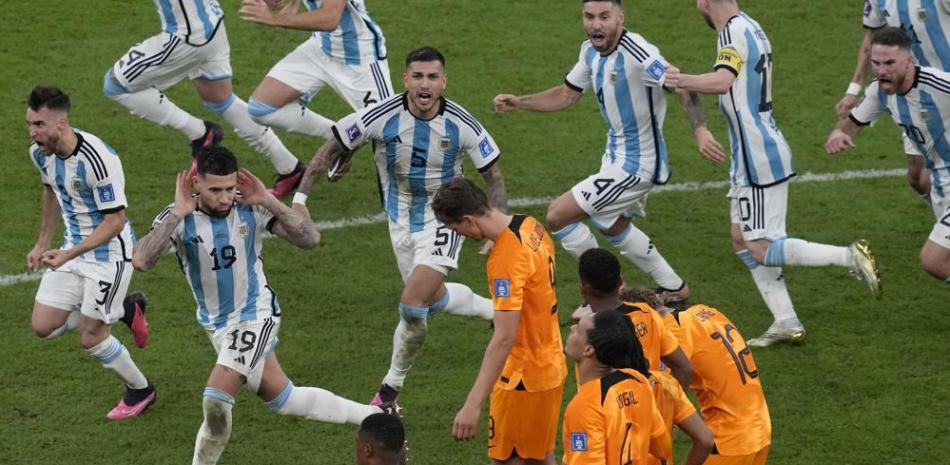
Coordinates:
(9, 280)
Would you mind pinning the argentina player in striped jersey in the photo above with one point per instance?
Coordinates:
(918, 100)
(194, 44)
(928, 24)
(218, 238)
(761, 165)
(418, 138)
(627, 76)
(88, 277)
(346, 51)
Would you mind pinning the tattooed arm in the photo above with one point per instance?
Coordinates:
(151, 247)
(497, 196)
(292, 226)
(708, 146)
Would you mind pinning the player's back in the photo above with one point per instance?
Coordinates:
(655, 337)
(725, 378)
(524, 255)
(925, 21)
(357, 40)
(196, 21)
(611, 421)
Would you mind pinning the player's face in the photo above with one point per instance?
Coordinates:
(216, 193)
(577, 339)
(603, 22)
(893, 67)
(703, 7)
(45, 128)
(425, 81)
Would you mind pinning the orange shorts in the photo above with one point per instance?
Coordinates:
(523, 423)
(757, 458)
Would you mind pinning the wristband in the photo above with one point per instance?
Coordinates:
(853, 89)
(300, 198)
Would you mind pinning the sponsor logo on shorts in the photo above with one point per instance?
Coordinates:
(579, 442)
(485, 148)
(502, 287)
(656, 70)
(353, 132)
(106, 194)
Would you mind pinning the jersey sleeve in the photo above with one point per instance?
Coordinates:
(264, 219)
(650, 61)
(176, 234)
(733, 50)
(584, 434)
(668, 342)
(479, 145)
(579, 77)
(870, 107)
(508, 272)
(680, 332)
(107, 181)
(359, 128)
(682, 407)
(873, 17)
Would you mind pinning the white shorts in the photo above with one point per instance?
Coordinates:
(308, 70)
(909, 147)
(940, 234)
(435, 246)
(163, 60)
(243, 346)
(759, 211)
(96, 289)
(610, 194)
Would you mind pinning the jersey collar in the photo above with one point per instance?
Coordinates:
(405, 106)
(916, 81)
(75, 151)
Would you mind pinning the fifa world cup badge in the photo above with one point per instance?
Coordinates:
(921, 14)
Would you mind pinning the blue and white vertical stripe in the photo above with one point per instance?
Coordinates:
(194, 20)
(358, 40)
(927, 23)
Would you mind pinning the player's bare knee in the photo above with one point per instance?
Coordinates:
(43, 330)
(618, 227)
(554, 219)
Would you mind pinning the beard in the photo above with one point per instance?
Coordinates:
(709, 21)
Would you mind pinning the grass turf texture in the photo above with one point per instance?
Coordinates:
(867, 384)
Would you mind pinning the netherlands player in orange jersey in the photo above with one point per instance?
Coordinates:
(523, 368)
(727, 385)
(600, 284)
(613, 419)
(676, 409)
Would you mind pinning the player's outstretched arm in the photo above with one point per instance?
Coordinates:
(842, 136)
(497, 198)
(708, 146)
(717, 82)
(553, 99)
(701, 436)
(110, 227)
(34, 259)
(149, 249)
(861, 68)
(326, 19)
(290, 225)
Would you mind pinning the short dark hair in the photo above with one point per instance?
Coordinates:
(385, 431)
(616, 343)
(48, 96)
(891, 36)
(425, 53)
(217, 160)
(642, 295)
(457, 198)
(599, 270)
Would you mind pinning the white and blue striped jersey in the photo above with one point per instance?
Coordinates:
(194, 20)
(924, 115)
(415, 157)
(927, 22)
(89, 183)
(221, 258)
(358, 40)
(761, 156)
(628, 84)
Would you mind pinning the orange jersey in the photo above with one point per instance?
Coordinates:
(612, 421)
(521, 273)
(655, 337)
(725, 378)
(670, 398)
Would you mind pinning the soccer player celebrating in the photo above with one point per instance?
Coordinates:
(613, 419)
(346, 51)
(381, 441)
(217, 237)
(627, 75)
(761, 168)
(918, 100)
(89, 274)
(194, 44)
(523, 367)
(418, 137)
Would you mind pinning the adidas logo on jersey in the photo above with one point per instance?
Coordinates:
(746, 228)
(240, 360)
(586, 195)
(437, 253)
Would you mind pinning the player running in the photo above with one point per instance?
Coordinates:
(419, 138)
(194, 44)
(217, 236)
(523, 368)
(89, 274)
(918, 100)
(761, 165)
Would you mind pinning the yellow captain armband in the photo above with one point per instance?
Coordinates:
(729, 57)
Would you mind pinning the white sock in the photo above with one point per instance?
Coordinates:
(72, 322)
(798, 252)
(260, 138)
(319, 404)
(576, 238)
(407, 340)
(293, 117)
(771, 286)
(154, 106)
(115, 357)
(215, 429)
(637, 247)
(460, 300)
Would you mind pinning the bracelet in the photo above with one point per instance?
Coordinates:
(853, 89)
(300, 198)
